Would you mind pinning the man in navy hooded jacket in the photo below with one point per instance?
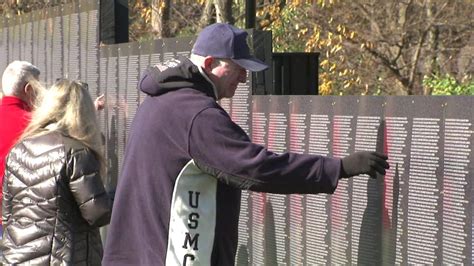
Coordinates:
(178, 195)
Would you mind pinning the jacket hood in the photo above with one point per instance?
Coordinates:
(174, 75)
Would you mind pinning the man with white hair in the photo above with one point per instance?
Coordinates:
(19, 86)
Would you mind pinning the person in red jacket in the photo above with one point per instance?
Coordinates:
(20, 86)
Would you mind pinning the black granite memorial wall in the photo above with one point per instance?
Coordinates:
(420, 212)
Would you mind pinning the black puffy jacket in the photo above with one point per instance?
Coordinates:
(54, 202)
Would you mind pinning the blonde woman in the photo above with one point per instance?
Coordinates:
(54, 200)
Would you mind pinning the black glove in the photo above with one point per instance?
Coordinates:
(364, 162)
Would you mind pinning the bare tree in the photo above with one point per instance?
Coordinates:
(399, 42)
(160, 17)
(207, 14)
(432, 42)
(217, 11)
(224, 11)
